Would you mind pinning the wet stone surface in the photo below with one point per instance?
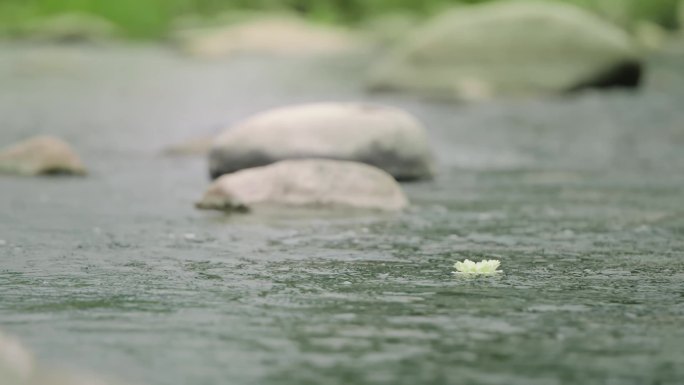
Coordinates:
(582, 200)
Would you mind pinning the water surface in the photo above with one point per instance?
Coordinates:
(582, 200)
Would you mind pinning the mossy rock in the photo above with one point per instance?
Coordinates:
(510, 49)
(651, 36)
(390, 28)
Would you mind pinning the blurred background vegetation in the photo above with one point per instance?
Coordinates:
(153, 19)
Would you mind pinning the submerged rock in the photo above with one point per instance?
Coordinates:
(195, 146)
(40, 155)
(385, 137)
(53, 377)
(509, 49)
(274, 36)
(310, 183)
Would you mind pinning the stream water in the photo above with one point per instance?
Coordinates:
(581, 198)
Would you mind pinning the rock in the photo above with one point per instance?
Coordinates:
(18, 367)
(61, 377)
(510, 49)
(71, 27)
(651, 36)
(16, 363)
(385, 137)
(271, 36)
(40, 155)
(309, 183)
(195, 146)
(388, 29)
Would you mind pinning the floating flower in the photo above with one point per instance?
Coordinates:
(485, 267)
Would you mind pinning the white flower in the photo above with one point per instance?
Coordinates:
(485, 267)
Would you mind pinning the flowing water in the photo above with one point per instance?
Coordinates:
(581, 198)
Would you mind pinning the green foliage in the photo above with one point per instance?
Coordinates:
(153, 18)
(627, 12)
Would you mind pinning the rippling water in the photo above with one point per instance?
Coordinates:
(582, 200)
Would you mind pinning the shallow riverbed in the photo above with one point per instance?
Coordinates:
(582, 200)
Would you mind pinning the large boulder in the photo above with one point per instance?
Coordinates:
(318, 183)
(385, 137)
(40, 155)
(510, 49)
(270, 36)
